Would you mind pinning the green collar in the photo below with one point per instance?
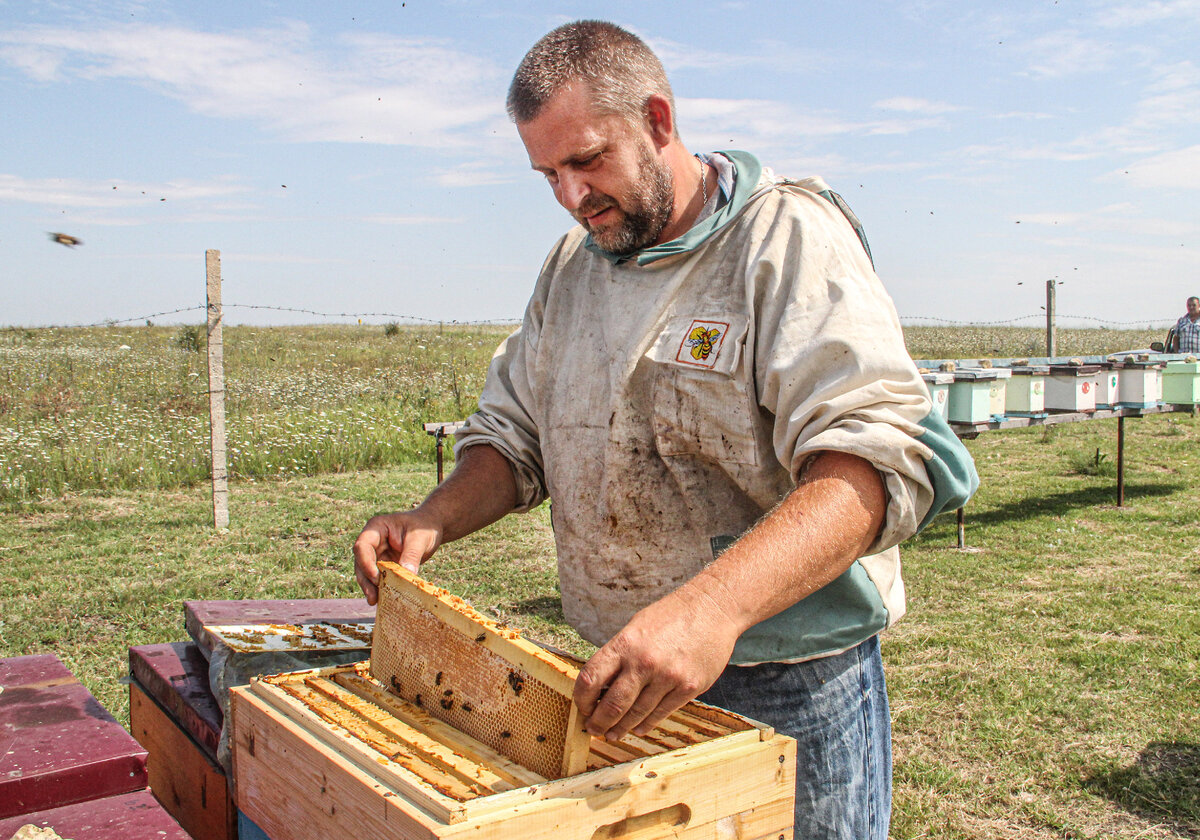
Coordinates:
(747, 173)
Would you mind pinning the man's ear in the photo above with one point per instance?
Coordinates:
(660, 120)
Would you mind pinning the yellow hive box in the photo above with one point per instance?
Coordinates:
(379, 750)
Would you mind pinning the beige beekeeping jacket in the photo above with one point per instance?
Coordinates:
(665, 403)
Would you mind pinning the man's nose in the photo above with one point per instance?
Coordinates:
(572, 190)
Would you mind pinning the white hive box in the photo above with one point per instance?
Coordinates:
(1071, 388)
(1026, 392)
(1181, 383)
(998, 392)
(972, 395)
(1107, 382)
(938, 384)
(1140, 384)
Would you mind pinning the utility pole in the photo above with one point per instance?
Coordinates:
(1051, 344)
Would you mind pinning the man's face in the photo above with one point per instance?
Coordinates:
(1193, 306)
(603, 169)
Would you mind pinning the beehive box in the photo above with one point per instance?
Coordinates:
(340, 752)
(938, 385)
(1181, 383)
(1140, 385)
(998, 392)
(972, 395)
(1107, 382)
(1071, 388)
(1026, 392)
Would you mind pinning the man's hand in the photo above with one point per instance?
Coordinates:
(667, 654)
(479, 491)
(674, 649)
(407, 538)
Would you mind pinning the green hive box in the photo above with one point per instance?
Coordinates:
(1181, 383)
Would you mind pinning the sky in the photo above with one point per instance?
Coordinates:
(354, 159)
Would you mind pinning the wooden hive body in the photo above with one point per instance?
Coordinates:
(338, 752)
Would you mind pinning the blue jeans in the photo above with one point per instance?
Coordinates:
(836, 708)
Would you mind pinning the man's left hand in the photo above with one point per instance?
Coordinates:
(667, 654)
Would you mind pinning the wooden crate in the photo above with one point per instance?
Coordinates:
(190, 785)
(333, 753)
(459, 727)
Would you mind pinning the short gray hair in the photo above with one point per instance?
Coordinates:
(617, 67)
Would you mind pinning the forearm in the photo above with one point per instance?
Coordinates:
(806, 542)
(479, 491)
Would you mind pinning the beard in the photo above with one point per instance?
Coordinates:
(643, 214)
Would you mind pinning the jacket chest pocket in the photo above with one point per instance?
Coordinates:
(702, 405)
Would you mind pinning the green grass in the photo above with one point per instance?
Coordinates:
(128, 408)
(1045, 683)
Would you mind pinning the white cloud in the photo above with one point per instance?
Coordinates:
(375, 88)
(754, 122)
(1067, 53)
(1178, 169)
(109, 194)
(1118, 221)
(780, 56)
(1124, 15)
(914, 105)
(385, 219)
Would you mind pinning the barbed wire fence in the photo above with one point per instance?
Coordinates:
(213, 312)
(1035, 319)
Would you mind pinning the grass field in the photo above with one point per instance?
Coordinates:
(1045, 683)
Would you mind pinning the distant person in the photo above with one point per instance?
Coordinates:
(1185, 337)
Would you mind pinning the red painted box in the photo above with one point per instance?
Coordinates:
(176, 676)
(129, 816)
(58, 745)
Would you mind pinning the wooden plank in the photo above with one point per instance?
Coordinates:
(395, 750)
(176, 676)
(701, 726)
(294, 789)
(317, 731)
(729, 720)
(364, 686)
(58, 745)
(613, 753)
(409, 719)
(713, 781)
(432, 649)
(433, 752)
(127, 816)
(199, 614)
(183, 777)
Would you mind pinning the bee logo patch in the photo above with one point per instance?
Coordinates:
(702, 343)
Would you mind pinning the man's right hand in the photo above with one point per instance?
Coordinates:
(407, 538)
(479, 491)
